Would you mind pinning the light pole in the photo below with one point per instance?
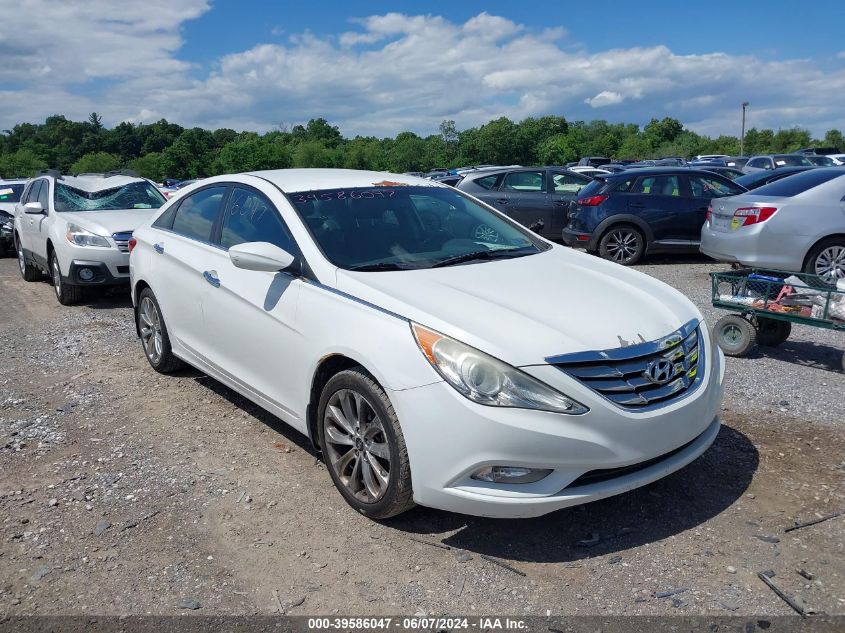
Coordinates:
(742, 138)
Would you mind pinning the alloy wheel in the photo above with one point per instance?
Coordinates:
(622, 245)
(57, 277)
(150, 326)
(21, 258)
(356, 445)
(830, 263)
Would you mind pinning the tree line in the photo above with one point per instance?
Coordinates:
(163, 149)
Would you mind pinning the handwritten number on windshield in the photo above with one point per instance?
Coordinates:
(342, 194)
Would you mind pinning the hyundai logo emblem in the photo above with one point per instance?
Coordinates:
(660, 371)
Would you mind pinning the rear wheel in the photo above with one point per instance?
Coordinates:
(154, 337)
(28, 271)
(67, 294)
(772, 332)
(622, 244)
(363, 445)
(827, 259)
(735, 335)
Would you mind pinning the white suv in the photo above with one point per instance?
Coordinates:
(486, 372)
(77, 229)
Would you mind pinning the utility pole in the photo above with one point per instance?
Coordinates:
(742, 138)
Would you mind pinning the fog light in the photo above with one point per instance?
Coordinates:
(86, 274)
(511, 474)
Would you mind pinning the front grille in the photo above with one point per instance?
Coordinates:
(640, 375)
(122, 240)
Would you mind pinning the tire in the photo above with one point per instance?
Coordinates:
(28, 271)
(623, 244)
(155, 340)
(354, 448)
(67, 294)
(827, 259)
(735, 335)
(772, 332)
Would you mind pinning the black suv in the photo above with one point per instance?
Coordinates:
(624, 216)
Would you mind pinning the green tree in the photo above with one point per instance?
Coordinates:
(834, 138)
(97, 162)
(312, 154)
(148, 166)
(22, 163)
(190, 155)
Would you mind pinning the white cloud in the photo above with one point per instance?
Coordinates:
(605, 98)
(388, 73)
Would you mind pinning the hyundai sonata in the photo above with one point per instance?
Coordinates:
(434, 350)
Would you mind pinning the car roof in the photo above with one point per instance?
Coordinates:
(658, 171)
(313, 179)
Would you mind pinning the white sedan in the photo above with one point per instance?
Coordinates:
(500, 375)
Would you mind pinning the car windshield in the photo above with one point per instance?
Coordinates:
(793, 160)
(134, 195)
(10, 192)
(799, 183)
(396, 227)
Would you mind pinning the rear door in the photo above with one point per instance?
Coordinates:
(183, 247)
(702, 190)
(27, 221)
(524, 196)
(564, 188)
(658, 199)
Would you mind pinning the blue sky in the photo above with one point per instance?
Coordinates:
(377, 68)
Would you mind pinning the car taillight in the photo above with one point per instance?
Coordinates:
(709, 212)
(132, 242)
(754, 215)
(592, 201)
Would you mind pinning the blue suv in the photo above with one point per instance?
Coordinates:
(626, 215)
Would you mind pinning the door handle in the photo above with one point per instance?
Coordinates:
(211, 278)
(638, 205)
(159, 248)
(501, 200)
(561, 203)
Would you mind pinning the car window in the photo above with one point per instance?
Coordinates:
(799, 183)
(11, 192)
(755, 162)
(488, 182)
(523, 181)
(383, 228)
(32, 194)
(568, 183)
(250, 217)
(44, 195)
(198, 212)
(704, 187)
(658, 186)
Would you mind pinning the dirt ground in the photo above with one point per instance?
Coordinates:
(126, 492)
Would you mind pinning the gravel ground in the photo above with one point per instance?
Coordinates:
(126, 492)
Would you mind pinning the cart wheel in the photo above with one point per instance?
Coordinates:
(735, 335)
(772, 332)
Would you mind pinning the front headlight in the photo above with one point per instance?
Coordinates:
(80, 237)
(486, 380)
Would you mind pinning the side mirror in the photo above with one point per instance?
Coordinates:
(260, 256)
(33, 208)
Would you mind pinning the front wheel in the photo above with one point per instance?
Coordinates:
(363, 445)
(67, 294)
(622, 244)
(735, 335)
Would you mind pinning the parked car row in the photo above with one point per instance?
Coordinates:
(403, 326)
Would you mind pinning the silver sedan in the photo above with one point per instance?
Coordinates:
(794, 224)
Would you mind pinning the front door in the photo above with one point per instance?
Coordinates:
(251, 315)
(564, 188)
(528, 200)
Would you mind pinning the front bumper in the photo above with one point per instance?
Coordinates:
(449, 438)
(95, 273)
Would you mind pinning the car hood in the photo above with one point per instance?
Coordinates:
(527, 309)
(108, 222)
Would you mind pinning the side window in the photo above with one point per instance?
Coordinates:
(567, 183)
(755, 162)
(704, 187)
(658, 186)
(165, 220)
(32, 196)
(523, 182)
(250, 217)
(488, 182)
(44, 195)
(197, 213)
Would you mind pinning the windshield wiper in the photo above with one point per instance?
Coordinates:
(381, 266)
(480, 255)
